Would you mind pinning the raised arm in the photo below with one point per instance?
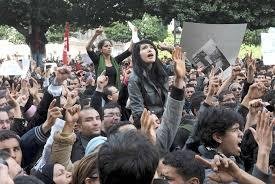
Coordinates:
(90, 44)
(63, 142)
(173, 112)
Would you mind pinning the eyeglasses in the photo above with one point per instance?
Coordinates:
(236, 89)
(118, 114)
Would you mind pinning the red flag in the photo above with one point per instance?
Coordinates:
(66, 44)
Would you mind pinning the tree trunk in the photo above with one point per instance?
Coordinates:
(37, 42)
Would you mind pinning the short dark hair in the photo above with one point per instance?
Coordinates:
(222, 94)
(111, 105)
(216, 120)
(114, 129)
(196, 100)
(8, 134)
(189, 86)
(185, 164)
(107, 91)
(127, 157)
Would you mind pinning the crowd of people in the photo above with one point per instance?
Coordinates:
(136, 119)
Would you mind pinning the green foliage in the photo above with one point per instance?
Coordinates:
(118, 32)
(253, 37)
(258, 14)
(256, 50)
(36, 16)
(11, 34)
(55, 33)
(169, 40)
(150, 27)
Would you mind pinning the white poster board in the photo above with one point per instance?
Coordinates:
(268, 48)
(227, 37)
(10, 67)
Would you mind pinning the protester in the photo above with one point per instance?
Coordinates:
(148, 84)
(104, 61)
(138, 119)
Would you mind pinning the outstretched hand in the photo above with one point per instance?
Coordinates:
(179, 59)
(99, 31)
(263, 132)
(225, 169)
(148, 125)
(71, 118)
(62, 73)
(102, 81)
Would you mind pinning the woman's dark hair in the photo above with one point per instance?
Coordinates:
(216, 120)
(101, 43)
(156, 74)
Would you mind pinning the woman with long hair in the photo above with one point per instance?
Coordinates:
(148, 84)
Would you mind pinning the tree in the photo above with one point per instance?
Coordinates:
(32, 18)
(253, 37)
(11, 34)
(150, 27)
(258, 14)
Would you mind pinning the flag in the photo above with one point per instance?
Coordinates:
(66, 45)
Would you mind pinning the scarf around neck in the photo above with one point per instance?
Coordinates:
(102, 67)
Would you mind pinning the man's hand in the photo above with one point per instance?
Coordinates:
(148, 126)
(263, 137)
(14, 104)
(71, 99)
(225, 170)
(71, 118)
(214, 85)
(256, 90)
(62, 73)
(251, 68)
(263, 132)
(24, 87)
(53, 114)
(4, 175)
(102, 81)
(255, 106)
(34, 89)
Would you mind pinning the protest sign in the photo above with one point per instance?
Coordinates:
(271, 30)
(227, 38)
(268, 48)
(210, 55)
(11, 67)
